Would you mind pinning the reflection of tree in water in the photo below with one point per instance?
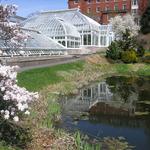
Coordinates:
(122, 87)
(131, 90)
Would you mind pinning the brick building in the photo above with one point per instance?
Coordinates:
(103, 10)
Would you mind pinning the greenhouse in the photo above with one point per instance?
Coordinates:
(36, 44)
(62, 32)
(69, 27)
(106, 35)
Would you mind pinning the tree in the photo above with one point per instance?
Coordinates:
(14, 100)
(125, 47)
(122, 25)
(145, 21)
(10, 33)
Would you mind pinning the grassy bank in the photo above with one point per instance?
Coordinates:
(91, 69)
(37, 79)
(66, 79)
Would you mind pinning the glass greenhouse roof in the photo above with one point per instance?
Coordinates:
(41, 41)
(72, 16)
(54, 27)
(38, 41)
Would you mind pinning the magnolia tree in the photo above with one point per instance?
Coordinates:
(10, 33)
(14, 99)
(121, 25)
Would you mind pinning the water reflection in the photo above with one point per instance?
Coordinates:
(87, 97)
(115, 95)
(119, 106)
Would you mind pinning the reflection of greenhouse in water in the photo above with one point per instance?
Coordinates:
(96, 92)
(100, 93)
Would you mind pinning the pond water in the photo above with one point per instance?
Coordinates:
(115, 107)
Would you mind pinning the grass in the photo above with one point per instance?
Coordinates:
(80, 71)
(37, 79)
(122, 68)
(145, 71)
(53, 112)
(84, 145)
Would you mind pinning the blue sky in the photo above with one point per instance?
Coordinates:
(25, 7)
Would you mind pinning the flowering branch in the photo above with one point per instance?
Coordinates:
(122, 24)
(10, 32)
(14, 99)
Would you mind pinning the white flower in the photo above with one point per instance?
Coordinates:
(6, 97)
(6, 116)
(2, 89)
(2, 111)
(21, 107)
(12, 113)
(18, 96)
(27, 113)
(16, 118)
(6, 112)
(121, 24)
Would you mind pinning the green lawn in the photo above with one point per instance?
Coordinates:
(36, 79)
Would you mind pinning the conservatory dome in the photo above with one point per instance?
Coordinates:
(58, 29)
(55, 27)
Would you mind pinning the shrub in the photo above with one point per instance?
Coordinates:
(114, 51)
(140, 51)
(127, 42)
(145, 21)
(14, 134)
(129, 56)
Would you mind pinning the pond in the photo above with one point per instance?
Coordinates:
(115, 107)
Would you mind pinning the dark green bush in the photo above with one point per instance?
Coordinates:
(114, 51)
(129, 56)
(145, 21)
(14, 134)
(140, 51)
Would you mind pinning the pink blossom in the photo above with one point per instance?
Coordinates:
(20, 97)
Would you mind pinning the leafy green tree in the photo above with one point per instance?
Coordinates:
(114, 51)
(145, 21)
